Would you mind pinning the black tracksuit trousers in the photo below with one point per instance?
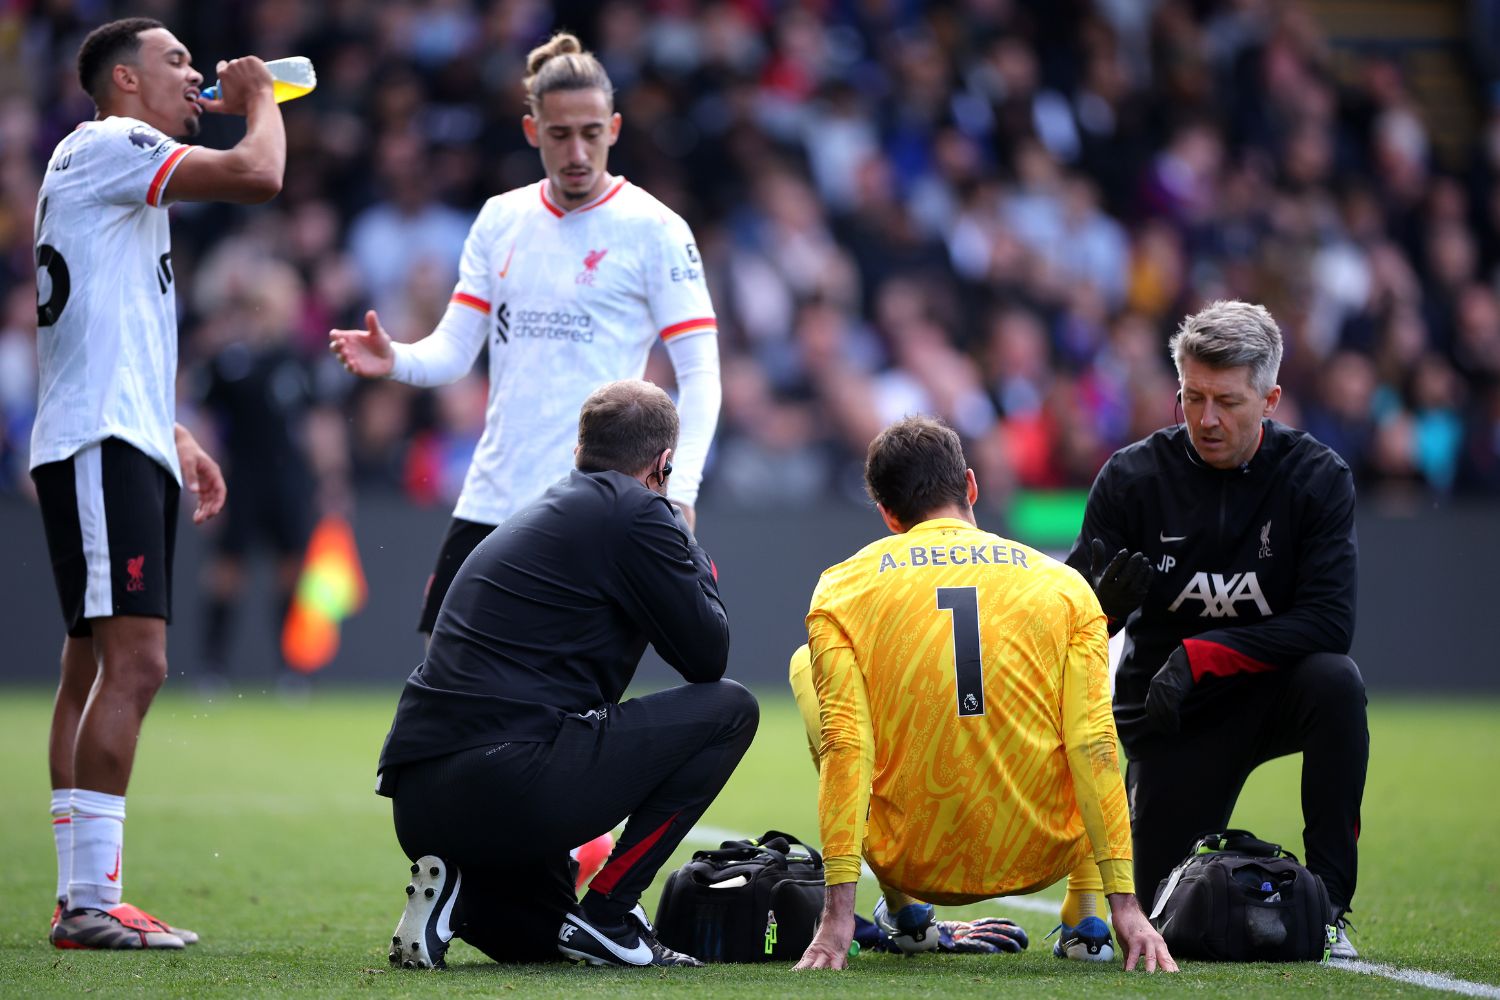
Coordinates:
(1186, 786)
(507, 815)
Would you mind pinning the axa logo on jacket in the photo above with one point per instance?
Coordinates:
(1220, 592)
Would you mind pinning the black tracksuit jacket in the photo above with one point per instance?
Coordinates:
(549, 617)
(1255, 566)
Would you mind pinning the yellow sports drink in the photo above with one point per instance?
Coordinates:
(286, 91)
(291, 78)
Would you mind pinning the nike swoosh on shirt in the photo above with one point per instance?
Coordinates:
(506, 269)
(1173, 538)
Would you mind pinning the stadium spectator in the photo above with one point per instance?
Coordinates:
(948, 650)
(1237, 151)
(107, 455)
(510, 743)
(568, 282)
(390, 240)
(1237, 644)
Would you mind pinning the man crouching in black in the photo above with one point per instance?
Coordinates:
(510, 744)
(1237, 642)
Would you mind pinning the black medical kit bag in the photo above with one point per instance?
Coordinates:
(750, 901)
(1237, 898)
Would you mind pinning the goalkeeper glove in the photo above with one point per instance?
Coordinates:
(985, 936)
(1168, 689)
(1121, 583)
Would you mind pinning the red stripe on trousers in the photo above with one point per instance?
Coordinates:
(609, 876)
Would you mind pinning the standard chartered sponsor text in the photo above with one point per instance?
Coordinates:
(556, 324)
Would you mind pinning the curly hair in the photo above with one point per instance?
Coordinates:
(106, 47)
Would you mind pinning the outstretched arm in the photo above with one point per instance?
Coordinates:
(448, 352)
(443, 356)
(367, 353)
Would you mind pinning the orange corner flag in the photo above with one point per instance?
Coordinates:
(330, 589)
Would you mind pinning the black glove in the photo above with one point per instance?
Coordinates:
(985, 936)
(1121, 584)
(1168, 688)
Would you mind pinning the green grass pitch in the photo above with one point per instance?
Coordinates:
(252, 820)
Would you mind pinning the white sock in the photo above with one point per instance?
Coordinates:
(62, 836)
(98, 855)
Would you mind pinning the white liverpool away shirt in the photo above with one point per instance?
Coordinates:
(106, 312)
(569, 300)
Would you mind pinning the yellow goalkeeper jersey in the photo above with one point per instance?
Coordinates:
(967, 746)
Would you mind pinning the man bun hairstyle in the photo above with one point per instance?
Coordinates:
(916, 466)
(105, 48)
(1231, 334)
(624, 426)
(560, 63)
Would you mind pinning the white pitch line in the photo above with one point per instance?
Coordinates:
(1418, 977)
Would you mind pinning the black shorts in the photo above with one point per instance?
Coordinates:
(110, 514)
(462, 538)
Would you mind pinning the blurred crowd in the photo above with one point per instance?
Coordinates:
(992, 210)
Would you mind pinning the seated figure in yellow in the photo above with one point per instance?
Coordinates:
(956, 693)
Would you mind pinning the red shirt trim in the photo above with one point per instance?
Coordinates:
(154, 193)
(542, 189)
(698, 325)
(472, 301)
(548, 204)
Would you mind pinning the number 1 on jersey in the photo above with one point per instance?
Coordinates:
(968, 664)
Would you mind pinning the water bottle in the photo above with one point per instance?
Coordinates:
(293, 77)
